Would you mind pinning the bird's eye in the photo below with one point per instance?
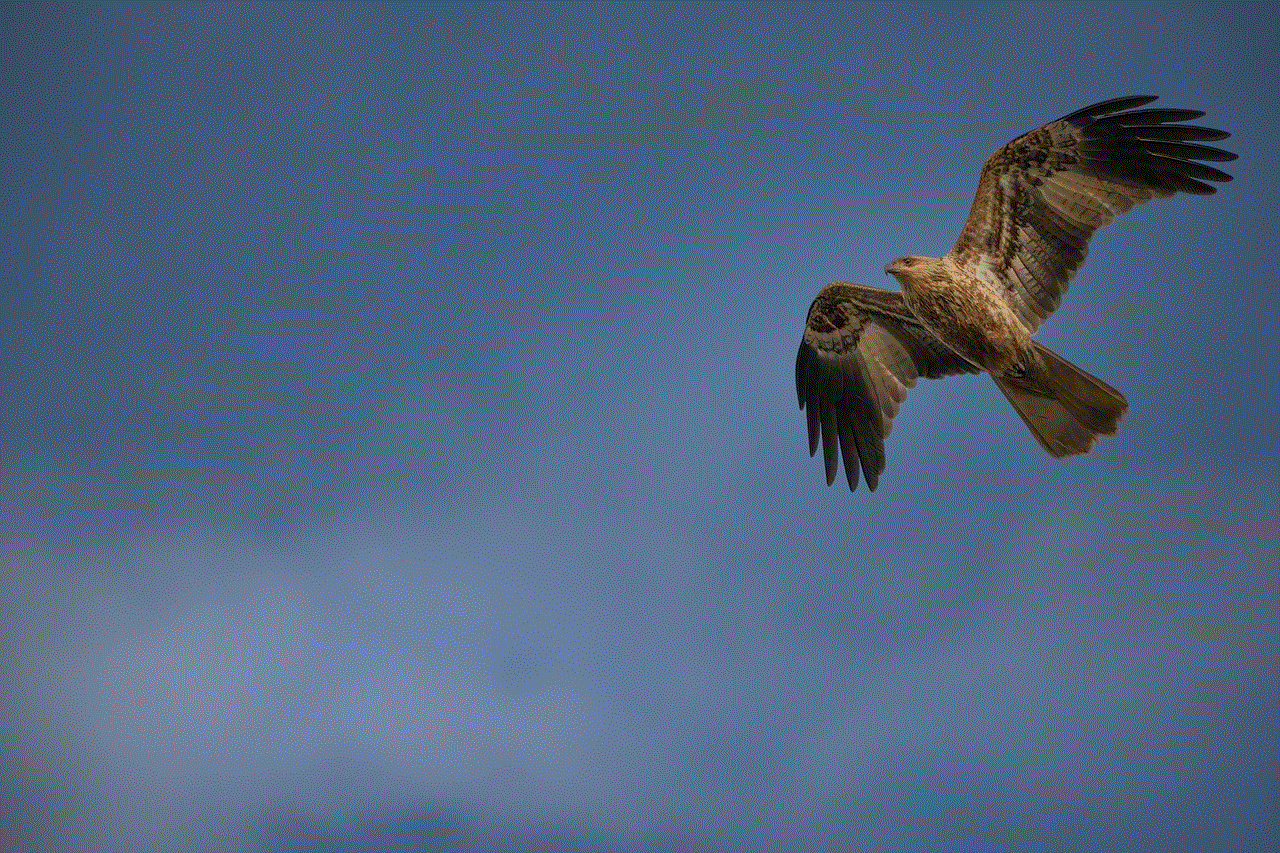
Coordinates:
(908, 262)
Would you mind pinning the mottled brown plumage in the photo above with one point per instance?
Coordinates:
(1039, 200)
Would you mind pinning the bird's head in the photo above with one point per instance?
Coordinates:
(906, 266)
(915, 270)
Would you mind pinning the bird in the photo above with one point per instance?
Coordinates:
(1040, 198)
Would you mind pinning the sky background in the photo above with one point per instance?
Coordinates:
(399, 448)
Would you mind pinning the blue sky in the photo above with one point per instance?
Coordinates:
(399, 448)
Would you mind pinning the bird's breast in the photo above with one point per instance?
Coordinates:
(972, 319)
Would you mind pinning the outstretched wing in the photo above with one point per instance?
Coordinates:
(862, 349)
(1041, 197)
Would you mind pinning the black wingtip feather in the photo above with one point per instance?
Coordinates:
(800, 375)
(1144, 144)
(830, 443)
(1104, 108)
(814, 426)
(1139, 118)
(1186, 150)
(848, 453)
(1167, 132)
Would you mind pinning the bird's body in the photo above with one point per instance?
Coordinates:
(1040, 198)
(1066, 409)
(964, 313)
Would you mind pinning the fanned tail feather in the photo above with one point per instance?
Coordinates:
(1066, 409)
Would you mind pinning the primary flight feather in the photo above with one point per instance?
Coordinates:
(1039, 200)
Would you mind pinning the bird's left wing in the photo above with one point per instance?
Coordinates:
(1041, 197)
(862, 350)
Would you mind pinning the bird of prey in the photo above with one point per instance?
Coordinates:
(1039, 200)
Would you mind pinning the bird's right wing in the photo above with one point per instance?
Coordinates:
(1042, 196)
(862, 350)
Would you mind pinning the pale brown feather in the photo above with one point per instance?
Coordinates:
(1042, 196)
(1066, 409)
(861, 352)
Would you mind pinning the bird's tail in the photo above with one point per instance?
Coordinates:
(1066, 409)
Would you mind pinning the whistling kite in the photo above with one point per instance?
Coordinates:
(1039, 200)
